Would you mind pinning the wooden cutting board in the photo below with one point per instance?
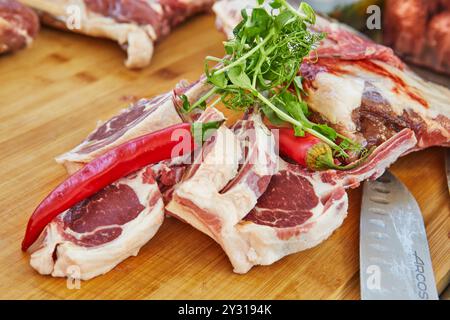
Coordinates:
(51, 97)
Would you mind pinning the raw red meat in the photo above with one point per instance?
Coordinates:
(142, 117)
(295, 208)
(135, 24)
(19, 25)
(103, 230)
(418, 30)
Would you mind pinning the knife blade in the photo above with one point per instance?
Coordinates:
(395, 262)
(447, 168)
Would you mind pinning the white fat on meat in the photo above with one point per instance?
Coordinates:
(217, 192)
(136, 35)
(170, 172)
(374, 99)
(137, 41)
(333, 93)
(94, 236)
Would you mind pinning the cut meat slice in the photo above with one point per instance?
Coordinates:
(298, 210)
(19, 25)
(143, 117)
(134, 24)
(94, 236)
(214, 195)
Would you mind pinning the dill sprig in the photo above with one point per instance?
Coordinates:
(261, 65)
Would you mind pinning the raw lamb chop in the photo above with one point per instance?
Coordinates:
(144, 116)
(298, 210)
(94, 236)
(361, 88)
(282, 224)
(19, 25)
(135, 24)
(371, 100)
(214, 195)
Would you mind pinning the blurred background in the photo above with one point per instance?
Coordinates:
(418, 30)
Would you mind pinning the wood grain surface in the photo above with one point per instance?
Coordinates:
(51, 97)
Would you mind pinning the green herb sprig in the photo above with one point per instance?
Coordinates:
(261, 66)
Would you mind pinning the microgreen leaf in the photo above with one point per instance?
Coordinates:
(276, 4)
(271, 115)
(240, 25)
(229, 47)
(239, 78)
(237, 99)
(218, 79)
(261, 68)
(309, 12)
(283, 19)
(260, 23)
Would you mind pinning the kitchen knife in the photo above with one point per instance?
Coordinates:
(395, 262)
(447, 167)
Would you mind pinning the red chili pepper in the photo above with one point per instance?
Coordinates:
(310, 151)
(109, 167)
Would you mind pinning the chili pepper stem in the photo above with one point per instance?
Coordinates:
(320, 157)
